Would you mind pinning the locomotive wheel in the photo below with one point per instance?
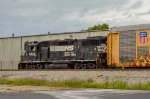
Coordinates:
(27, 66)
(91, 66)
(38, 66)
(30, 67)
(20, 66)
(84, 66)
(33, 67)
(77, 66)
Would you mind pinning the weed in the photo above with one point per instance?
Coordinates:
(118, 84)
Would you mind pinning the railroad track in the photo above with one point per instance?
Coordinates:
(119, 69)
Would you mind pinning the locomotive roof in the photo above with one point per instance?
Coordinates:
(90, 38)
(131, 28)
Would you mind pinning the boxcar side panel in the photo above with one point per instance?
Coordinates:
(113, 49)
(143, 48)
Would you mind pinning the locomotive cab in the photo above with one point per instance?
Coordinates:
(29, 56)
(31, 50)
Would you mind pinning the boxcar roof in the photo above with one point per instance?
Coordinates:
(131, 28)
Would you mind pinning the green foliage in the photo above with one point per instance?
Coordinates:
(103, 26)
(76, 84)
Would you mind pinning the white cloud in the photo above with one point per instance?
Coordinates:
(24, 17)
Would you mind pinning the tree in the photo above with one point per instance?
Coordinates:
(104, 26)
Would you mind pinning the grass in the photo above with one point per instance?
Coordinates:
(76, 84)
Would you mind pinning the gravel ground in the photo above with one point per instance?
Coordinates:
(130, 76)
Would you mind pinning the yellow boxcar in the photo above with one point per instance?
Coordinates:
(128, 49)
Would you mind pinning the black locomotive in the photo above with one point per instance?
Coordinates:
(87, 53)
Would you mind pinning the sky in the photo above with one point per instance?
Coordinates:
(33, 17)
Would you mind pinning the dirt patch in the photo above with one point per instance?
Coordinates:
(11, 88)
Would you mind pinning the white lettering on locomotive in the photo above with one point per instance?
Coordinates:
(69, 54)
(62, 48)
(32, 54)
